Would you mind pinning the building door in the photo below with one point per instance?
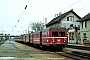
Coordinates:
(71, 37)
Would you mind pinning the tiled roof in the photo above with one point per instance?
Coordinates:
(57, 19)
(86, 17)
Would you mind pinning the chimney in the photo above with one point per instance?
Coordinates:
(60, 13)
(55, 15)
(45, 21)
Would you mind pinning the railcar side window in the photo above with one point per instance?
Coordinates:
(54, 34)
(62, 34)
(44, 34)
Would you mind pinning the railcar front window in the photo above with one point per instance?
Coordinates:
(54, 34)
(62, 34)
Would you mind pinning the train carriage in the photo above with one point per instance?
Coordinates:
(31, 35)
(17, 39)
(37, 38)
(27, 38)
(54, 37)
(24, 38)
(21, 38)
(47, 38)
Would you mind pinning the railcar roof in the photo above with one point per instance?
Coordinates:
(56, 28)
(51, 28)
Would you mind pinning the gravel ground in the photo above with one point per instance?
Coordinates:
(11, 50)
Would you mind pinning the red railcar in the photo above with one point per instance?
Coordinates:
(27, 38)
(37, 38)
(54, 37)
(21, 38)
(49, 37)
(24, 38)
(31, 37)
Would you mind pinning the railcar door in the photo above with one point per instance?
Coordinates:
(29, 38)
(45, 37)
(54, 37)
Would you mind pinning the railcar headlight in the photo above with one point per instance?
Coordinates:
(58, 40)
(52, 40)
(47, 40)
(64, 40)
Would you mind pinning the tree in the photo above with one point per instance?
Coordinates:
(37, 26)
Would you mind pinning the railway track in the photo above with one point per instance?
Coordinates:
(74, 55)
(79, 47)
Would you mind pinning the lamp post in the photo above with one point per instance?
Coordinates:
(23, 31)
(28, 27)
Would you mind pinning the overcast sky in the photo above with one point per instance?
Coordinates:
(11, 10)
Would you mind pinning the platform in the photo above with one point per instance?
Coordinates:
(79, 46)
(13, 50)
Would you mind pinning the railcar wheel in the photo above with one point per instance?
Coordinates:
(52, 48)
(60, 48)
(44, 47)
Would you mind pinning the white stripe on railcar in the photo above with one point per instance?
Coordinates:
(36, 40)
(54, 37)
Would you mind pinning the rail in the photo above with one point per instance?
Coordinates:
(75, 55)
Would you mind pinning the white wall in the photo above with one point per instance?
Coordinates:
(85, 30)
(67, 23)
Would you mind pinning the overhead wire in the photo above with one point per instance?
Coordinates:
(48, 8)
(21, 15)
(45, 11)
(71, 5)
(60, 10)
(26, 7)
(5, 25)
(84, 6)
(67, 7)
(1, 28)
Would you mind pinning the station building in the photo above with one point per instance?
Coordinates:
(85, 27)
(69, 21)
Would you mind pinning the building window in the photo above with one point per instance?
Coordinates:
(70, 18)
(84, 24)
(71, 36)
(84, 36)
(71, 25)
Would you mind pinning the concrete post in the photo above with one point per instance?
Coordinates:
(76, 40)
(68, 38)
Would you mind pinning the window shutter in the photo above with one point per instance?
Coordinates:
(67, 18)
(85, 24)
(82, 24)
